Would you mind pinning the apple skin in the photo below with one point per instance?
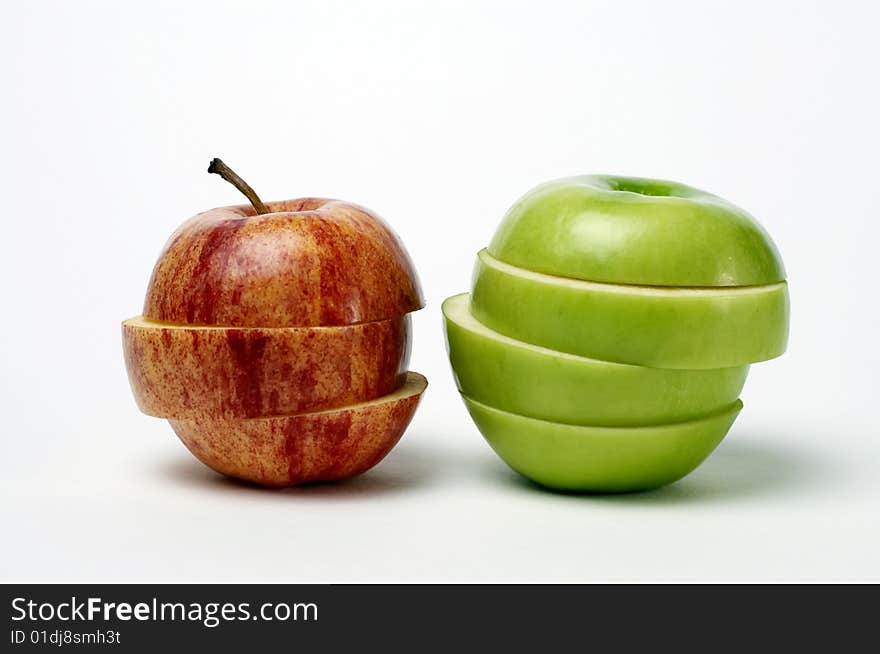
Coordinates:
(309, 262)
(539, 383)
(189, 372)
(290, 450)
(601, 459)
(646, 326)
(276, 344)
(629, 230)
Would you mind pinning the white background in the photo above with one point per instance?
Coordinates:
(438, 117)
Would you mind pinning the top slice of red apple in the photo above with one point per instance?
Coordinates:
(307, 262)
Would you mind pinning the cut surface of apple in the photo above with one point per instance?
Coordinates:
(317, 446)
(540, 383)
(659, 327)
(600, 459)
(225, 372)
(630, 230)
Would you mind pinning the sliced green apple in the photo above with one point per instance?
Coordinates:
(600, 459)
(541, 383)
(630, 230)
(692, 328)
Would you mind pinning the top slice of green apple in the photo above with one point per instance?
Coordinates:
(630, 230)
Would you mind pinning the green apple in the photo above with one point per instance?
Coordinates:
(629, 230)
(693, 328)
(600, 459)
(533, 381)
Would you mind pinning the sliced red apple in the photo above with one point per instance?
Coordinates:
(219, 372)
(318, 446)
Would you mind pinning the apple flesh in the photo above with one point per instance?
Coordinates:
(181, 371)
(601, 459)
(683, 328)
(540, 383)
(629, 230)
(319, 446)
(308, 262)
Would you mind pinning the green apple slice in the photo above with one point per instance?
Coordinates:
(600, 459)
(630, 230)
(692, 328)
(533, 381)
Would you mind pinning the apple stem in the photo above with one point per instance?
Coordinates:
(219, 168)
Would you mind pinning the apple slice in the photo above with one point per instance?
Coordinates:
(305, 262)
(318, 446)
(533, 381)
(600, 459)
(189, 371)
(632, 230)
(691, 328)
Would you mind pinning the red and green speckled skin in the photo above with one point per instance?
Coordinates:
(288, 450)
(309, 262)
(188, 372)
(263, 336)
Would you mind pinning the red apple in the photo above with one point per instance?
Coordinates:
(275, 338)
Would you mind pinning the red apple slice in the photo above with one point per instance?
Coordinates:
(307, 262)
(319, 446)
(190, 372)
